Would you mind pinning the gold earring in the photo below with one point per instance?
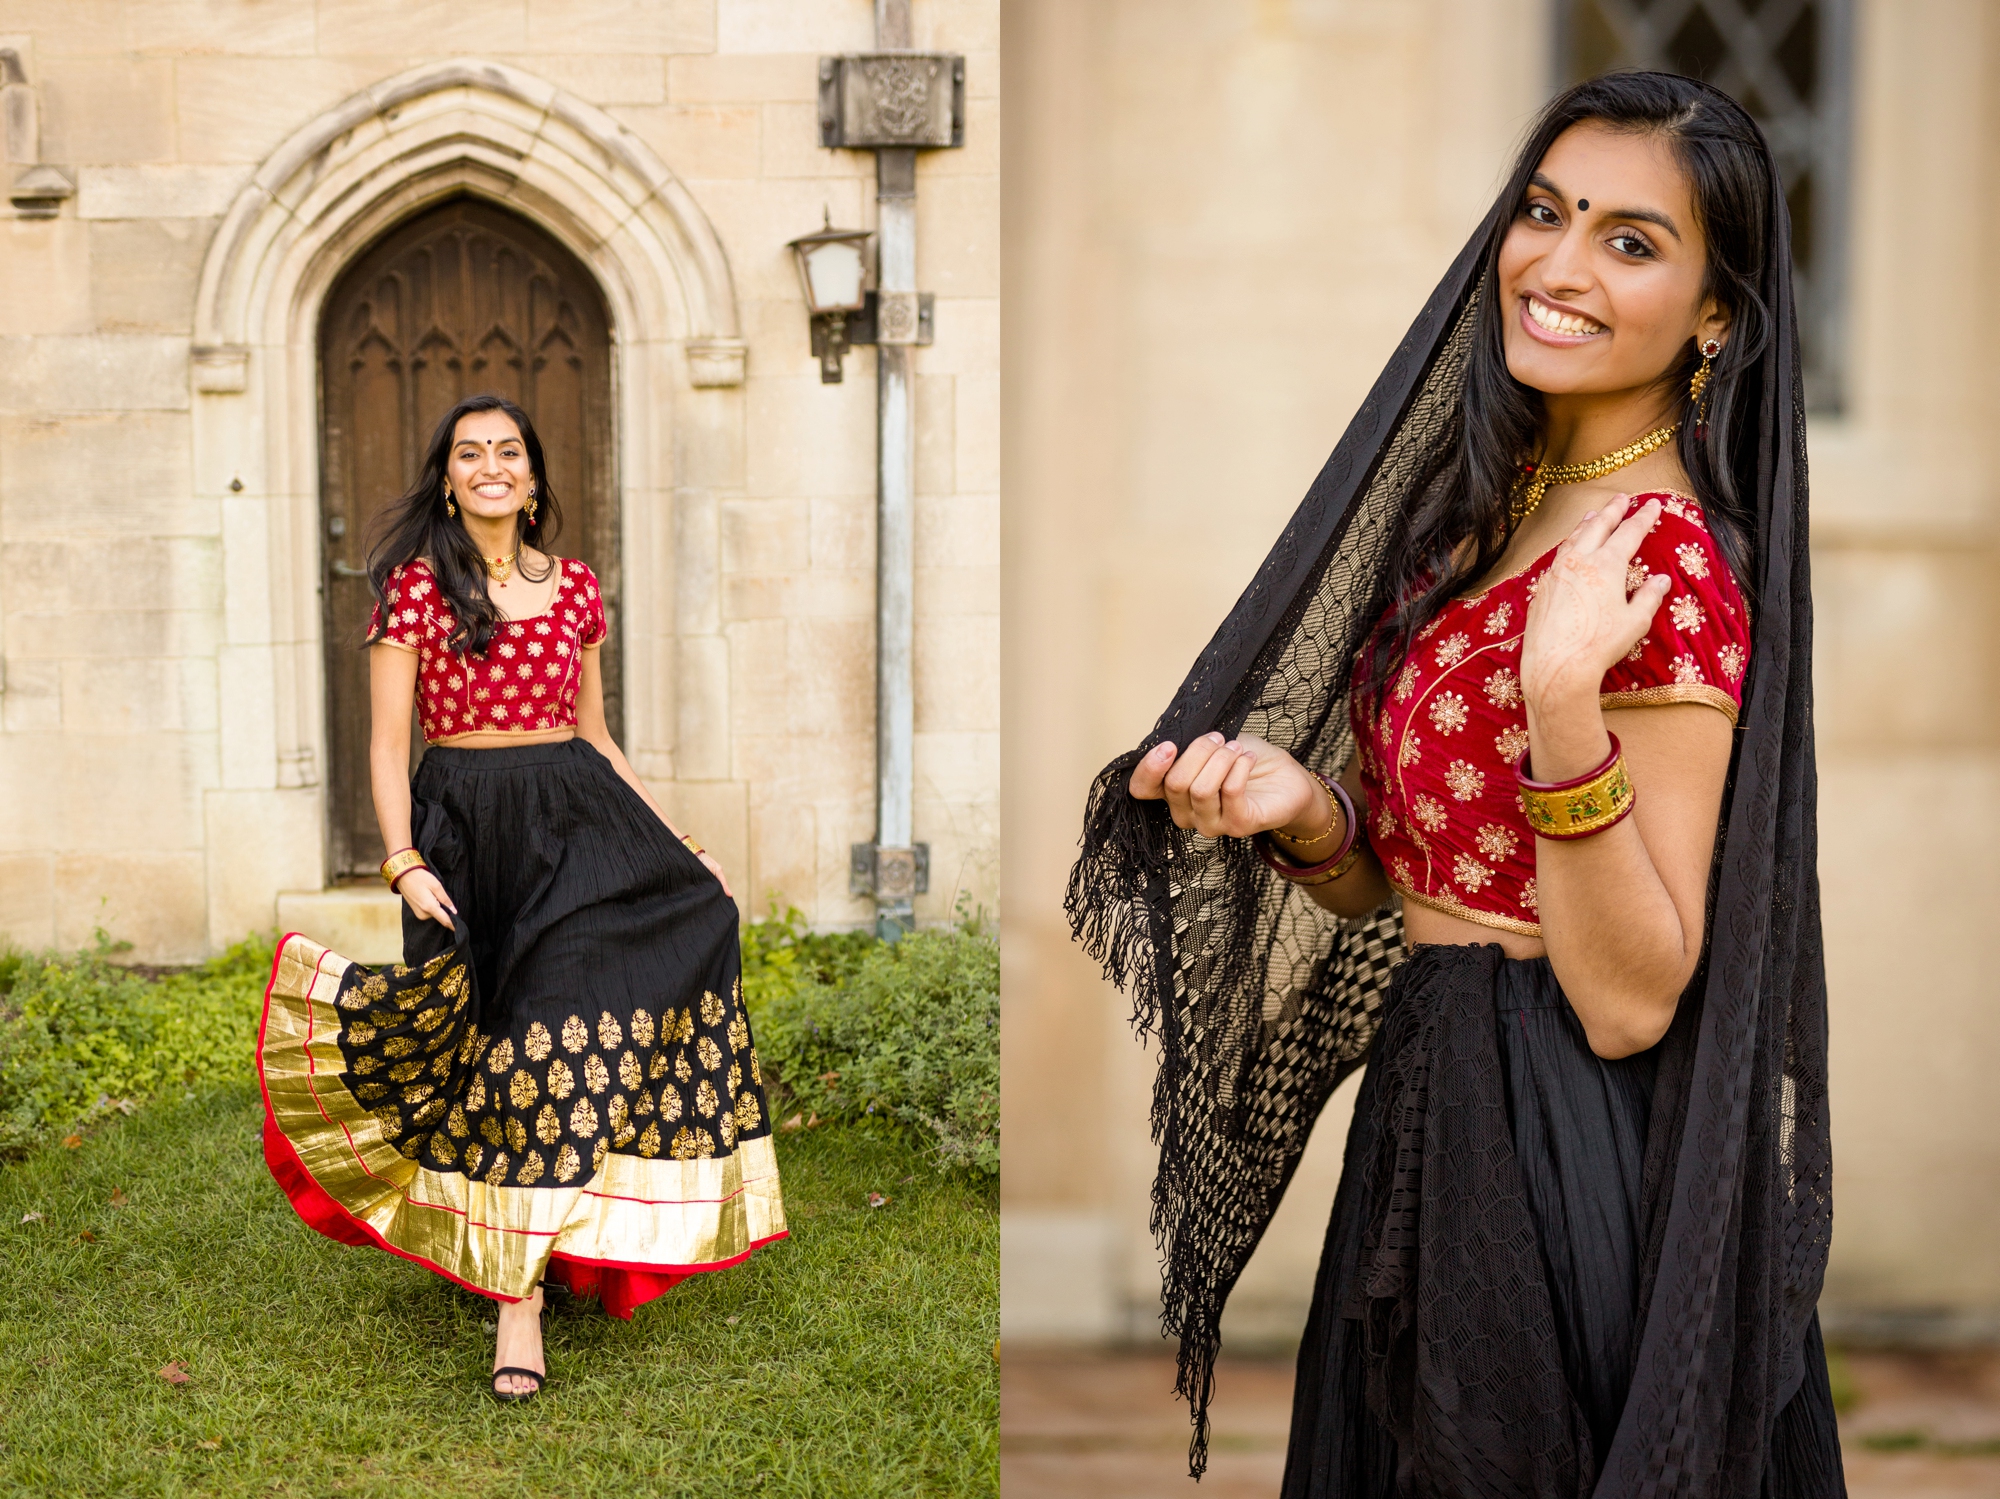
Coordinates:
(449, 508)
(1699, 384)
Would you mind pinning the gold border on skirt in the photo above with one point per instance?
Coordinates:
(663, 1215)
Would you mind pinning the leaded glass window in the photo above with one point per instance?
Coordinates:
(1787, 62)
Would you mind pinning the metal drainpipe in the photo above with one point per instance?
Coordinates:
(895, 518)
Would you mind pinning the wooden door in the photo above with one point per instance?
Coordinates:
(464, 299)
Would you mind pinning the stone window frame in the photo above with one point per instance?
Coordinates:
(435, 132)
(1813, 135)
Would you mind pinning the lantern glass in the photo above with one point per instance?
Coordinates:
(834, 272)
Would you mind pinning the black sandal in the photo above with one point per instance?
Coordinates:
(510, 1397)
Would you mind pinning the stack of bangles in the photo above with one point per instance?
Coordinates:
(401, 863)
(1580, 807)
(1343, 858)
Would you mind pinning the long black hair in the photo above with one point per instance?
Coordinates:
(1461, 523)
(416, 524)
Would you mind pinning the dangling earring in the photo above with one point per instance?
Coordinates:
(1699, 383)
(531, 504)
(449, 508)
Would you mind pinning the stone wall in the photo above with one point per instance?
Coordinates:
(160, 711)
(1220, 218)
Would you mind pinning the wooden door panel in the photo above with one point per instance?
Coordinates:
(464, 299)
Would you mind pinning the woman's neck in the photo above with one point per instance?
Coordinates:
(494, 538)
(1578, 429)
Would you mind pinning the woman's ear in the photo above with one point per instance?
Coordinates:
(1711, 322)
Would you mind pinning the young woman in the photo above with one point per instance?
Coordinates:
(560, 1084)
(1495, 674)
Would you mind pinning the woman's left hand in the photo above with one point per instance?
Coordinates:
(715, 868)
(1580, 621)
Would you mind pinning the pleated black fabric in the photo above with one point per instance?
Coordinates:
(1486, 1133)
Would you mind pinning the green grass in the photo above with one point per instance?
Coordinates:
(860, 1361)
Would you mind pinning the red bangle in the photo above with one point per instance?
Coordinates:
(1276, 860)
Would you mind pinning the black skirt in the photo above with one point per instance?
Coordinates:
(1473, 1327)
(562, 1086)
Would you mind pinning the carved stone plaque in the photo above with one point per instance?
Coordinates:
(881, 100)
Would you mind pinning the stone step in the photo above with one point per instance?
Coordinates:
(355, 921)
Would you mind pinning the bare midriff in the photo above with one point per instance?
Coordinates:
(1423, 925)
(505, 738)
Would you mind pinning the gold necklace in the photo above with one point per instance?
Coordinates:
(1539, 480)
(497, 568)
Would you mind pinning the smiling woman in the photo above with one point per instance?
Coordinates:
(1482, 699)
(561, 1084)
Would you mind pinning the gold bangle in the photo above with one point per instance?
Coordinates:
(1578, 810)
(692, 846)
(1347, 862)
(401, 863)
(1333, 822)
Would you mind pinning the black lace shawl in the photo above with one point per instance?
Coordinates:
(1262, 1002)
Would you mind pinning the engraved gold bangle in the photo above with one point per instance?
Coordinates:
(692, 846)
(401, 863)
(1581, 807)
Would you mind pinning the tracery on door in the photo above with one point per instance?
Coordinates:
(462, 299)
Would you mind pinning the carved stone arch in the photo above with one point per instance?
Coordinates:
(438, 131)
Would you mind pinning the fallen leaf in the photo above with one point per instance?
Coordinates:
(797, 1121)
(810, 1123)
(877, 1200)
(72, 1142)
(907, 1180)
(31, 1217)
(86, 1237)
(118, 1197)
(213, 1444)
(175, 1373)
(829, 1077)
(732, 1321)
(123, 1105)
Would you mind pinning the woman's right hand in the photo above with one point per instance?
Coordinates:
(424, 893)
(1233, 788)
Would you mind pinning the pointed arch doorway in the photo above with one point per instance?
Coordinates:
(465, 297)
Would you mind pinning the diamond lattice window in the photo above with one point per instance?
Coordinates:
(1787, 62)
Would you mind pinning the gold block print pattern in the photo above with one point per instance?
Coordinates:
(594, 1134)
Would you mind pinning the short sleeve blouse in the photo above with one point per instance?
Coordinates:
(1437, 759)
(528, 679)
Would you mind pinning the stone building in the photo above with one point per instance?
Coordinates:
(256, 246)
(1220, 217)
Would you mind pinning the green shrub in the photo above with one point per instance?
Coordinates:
(80, 1036)
(849, 1027)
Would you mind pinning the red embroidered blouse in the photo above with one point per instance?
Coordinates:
(528, 678)
(1437, 761)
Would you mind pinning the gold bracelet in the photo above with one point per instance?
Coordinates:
(1333, 822)
(401, 863)
(692, 846)
(1577, 809)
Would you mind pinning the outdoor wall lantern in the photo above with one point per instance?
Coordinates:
(833, 270)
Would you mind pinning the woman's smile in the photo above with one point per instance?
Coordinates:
(1551, 324)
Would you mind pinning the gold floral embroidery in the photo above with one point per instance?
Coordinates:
(1451, 650)
(497, 1172)
(1448, 713)
(1512, 742)
(583, 1119)
(517, 1134)
(562, 1082)
(1470, 873)
(1400, 868)
(682, 1069)
(735, 1077)
(531, 1169)
(456, 1123)
(642, 1028)
(610, 1035)
(596, 1076)
(1693, 563)
(429, 1114)
(597, 1153)
(1635, 577)
(1640, 649)
(491, 1131)
(671, 1105)
(360, 1035)
(1406, 681)
(649, 1142)
(683, 1027)
(1496, 622)
(1529, 900)
(473, 1046)
(705, 1101)
(402, 1072)
(1408, 751)
(1732, 658)
(1687, 613)
(1503, 688)
(710, 1054)
(657, 1068)
(365, 1065)
(475, 1096)
(1687, 669)
(539, 1043)
(474, 1154)
(440, 1067)
(693, 1144)
(548, 1125)
(711, 1009)
(568, 1163)
(1498, 843)
(444, 1150)
(756, 1069)
(1429, 811)
(575, 1034)
(369, 1092)
(501, 1057)
(429, 1020)
(1464, 780)
(398, 1046)
(620, 1116)
(726, 1127)
(416, 1095)
(522, 1089)
(628, 1070)
(739, 1032)
(644, 1105)
(748, 1112)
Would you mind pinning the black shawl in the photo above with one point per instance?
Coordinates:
(1262, 1002)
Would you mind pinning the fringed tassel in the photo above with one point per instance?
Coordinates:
(1127, 845)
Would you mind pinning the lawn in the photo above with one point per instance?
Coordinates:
(855, 1358)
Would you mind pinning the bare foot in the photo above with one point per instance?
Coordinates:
(518, 1344)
